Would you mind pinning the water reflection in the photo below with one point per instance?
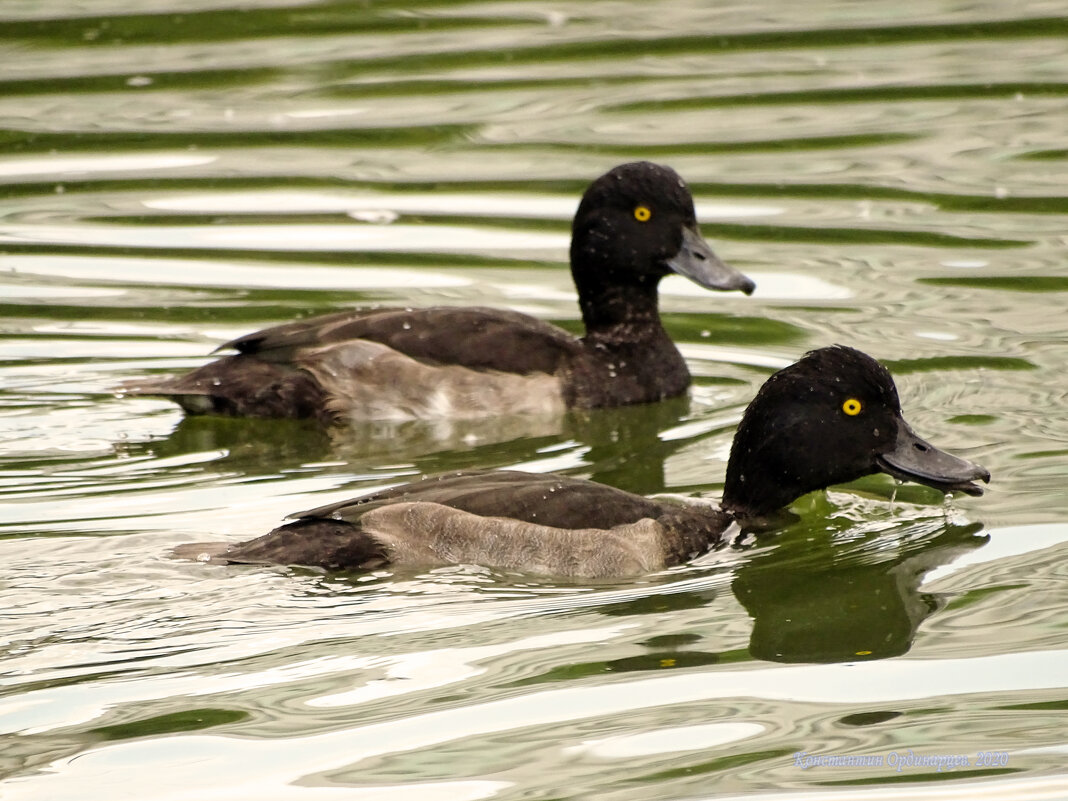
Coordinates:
(831, 603)
(625, 446)
(620, 447)
(172, 173)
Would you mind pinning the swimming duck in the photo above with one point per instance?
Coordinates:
(830, 418)
(635, 225)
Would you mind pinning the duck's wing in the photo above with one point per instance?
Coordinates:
(241, 387)
(543, 498)
(474, 337)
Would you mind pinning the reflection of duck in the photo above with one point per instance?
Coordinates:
(813, 603)
(620, 446)
(255, 447)
(830, 418)
(623, 446)
(634, 225)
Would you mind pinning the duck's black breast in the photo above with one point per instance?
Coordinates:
(634, 364)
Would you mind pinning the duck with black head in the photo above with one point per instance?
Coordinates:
(832, 417)
(634, 225)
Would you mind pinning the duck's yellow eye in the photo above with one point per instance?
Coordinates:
(852, 407)
(642, 213)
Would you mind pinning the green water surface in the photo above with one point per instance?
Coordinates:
(172, 175)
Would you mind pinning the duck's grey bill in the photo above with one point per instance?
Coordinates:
(914, 459)
(697, 262)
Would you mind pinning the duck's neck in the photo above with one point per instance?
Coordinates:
(620, 308)
(625, 319)
(767, 469)
(745, 496)
(631, 358)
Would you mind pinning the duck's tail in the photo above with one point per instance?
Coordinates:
(238, 386)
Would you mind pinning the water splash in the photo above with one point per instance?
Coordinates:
(893, 496)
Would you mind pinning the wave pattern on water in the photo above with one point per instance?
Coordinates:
(175, 175)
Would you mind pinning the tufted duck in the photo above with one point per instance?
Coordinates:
(634, 225)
